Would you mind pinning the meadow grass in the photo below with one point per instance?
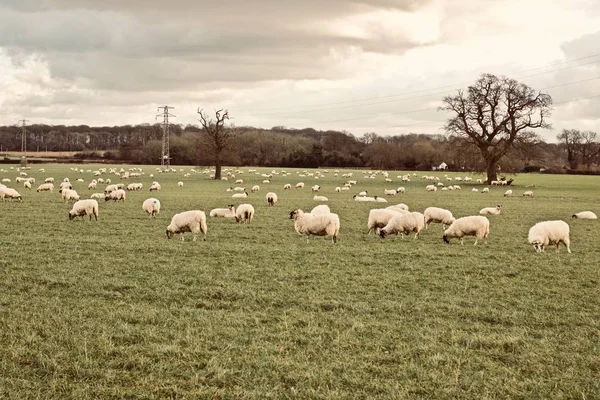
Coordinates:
(112, 309)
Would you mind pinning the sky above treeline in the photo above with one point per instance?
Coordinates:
(360, 66)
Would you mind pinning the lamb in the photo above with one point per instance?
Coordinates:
(82, 208)
(255, 188)
(404, 224)
(193, 221)
(320, 210)
(240, 195)
(97, 196)
(228, 212)
(320, 198)
(318, 225)
(438, 215)
(508, 193)
(68, 194)
(271, 198)
(244, 213)
(547, 233)
(584, 215)
(116, 195)
(151, 206)
(528, 193)
(474, 225)
(491, 210)
(431, 188)
(380, 217)
(10, 193)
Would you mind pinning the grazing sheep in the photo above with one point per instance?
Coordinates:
(320, 209)
(245, 213)
(398, 207)
(528, 193)
(271, 198)
(584, 215)
(380, 199)
(300, 185)
(228, 212)
(363, 193)
(287, 186)
(82, 208)
(508, 193)
(240, 195)
(116, 195)
(390, 192)
(474, 190)
(485, 190)
(255, 188)
(156, 186)
(438, 215)
(474, 225)
(317, 225)
(68, 194)
(97, 196)
(401, 189)
(151, 206)
(547, 233)
(315, 188)
(431, 188)
(404, 224)
(92, 185)
(491, 210)
(239, 182)
(49, 180)
(63, 186)
(380, 217)
(320, 198)
(10, 193)
(237, 189)
(363, 198)
(193, 221)
(179, 184)
(27, 185)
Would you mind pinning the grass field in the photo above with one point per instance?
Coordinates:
(112, 309)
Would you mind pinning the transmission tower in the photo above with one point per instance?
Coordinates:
(165, 159)
(23, 136)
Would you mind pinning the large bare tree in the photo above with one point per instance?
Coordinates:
(218, 135)
(581, 147)
(494, 113)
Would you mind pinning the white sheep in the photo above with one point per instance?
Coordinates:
(240, 195)
(438, 215)
(97, 196)
(69, 194)
(491, 210)
(116, 195)
(156, 186)
(380, 217)
(363, 198)
(315, 188)
(300, 185)
(473, 225)
(547, 233)
(255, 188)
(6, 192)
(389, 192)
(287, 186)
(508, 193)
(485, 190)
(179, 184)
(320, 209)
(317, 225)
(228, 212)
(271, 198)
(363, 193)
(320, 198)
(64, 185)
(244, 213)
(27, 185)
(380, 199)
(474, 190)
(82, 208)
(431, 188)
(398, 207)
(401, 189)
(404, 224)
(92, 185)
(193, 221)
(151, 206)
(49, 180)
(585, 215)
(528, 193)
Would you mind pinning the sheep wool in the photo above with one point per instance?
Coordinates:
(193, 221)
(380, 217)
(116, 195)
(151, 206)
(439, 216)
(404, 224)
(508, 193)
(228, 212)
(548, 233)
(240, 195)
(271, 198)
(528, 193)
(244, 213)
(68, 194)
(320, 209)
(81, 208)
(327, 225)
(6, 192)
(320, 198)
(473, 225)
(491, 210)
(585, 215)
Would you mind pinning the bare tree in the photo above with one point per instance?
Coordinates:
(218, 136)
(493, 113)
(571, 139)
(589, 148)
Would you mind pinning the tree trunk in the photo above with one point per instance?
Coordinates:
(218, 166)
(491, 169)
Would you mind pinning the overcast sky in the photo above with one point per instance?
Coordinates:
(361, 66)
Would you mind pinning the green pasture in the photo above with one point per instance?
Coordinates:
(112, 309)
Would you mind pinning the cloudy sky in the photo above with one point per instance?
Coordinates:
(361, 66)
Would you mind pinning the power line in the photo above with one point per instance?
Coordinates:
(24, 136)
(165, 159)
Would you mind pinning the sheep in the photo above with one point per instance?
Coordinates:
(27, 185)
(473, 225)
(528, 193)
(68, 194)
(380, 199)
(239, 182)
(318, 225)
(398, 207)
(474, 190)
(151, 206)
(97, 196)
(315, 188)
(92, 185)
(156, 186)
(10, 193)
(228, 212)
(404, 224)
(363, 193)
(401, 189)
(431, 188)
(244, 213)
(271, 198)
(320, 198)
(193, 221)
(438, 215)
(584, 215)
(240, 195)
(491, 210)
(390, 192)
(379, 217)
(116, 195)
(64, 185)
(49, 180)
(363, 198)
(238, 189)
(82, 208)
(320, 209)
(485, 190)
(300, 185)
(508, 193)
(255, 188)
(547, 233)
(179, 184)
(287, 186)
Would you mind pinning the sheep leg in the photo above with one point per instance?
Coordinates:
(461, 241)
(181, 234)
